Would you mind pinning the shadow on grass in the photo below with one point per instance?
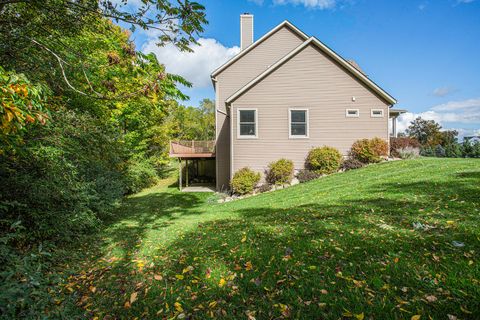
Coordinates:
(314, 260)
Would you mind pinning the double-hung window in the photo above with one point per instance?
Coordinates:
(247, 123)
(298, 123)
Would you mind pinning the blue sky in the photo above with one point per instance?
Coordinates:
(424, 53)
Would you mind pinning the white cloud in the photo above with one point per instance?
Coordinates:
(313, 4)
(194, 66)
(453, 112)
(443, 91)
(458, 105)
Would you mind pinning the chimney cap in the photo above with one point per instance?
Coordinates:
(246, 14)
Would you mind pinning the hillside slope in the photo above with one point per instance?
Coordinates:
(344, 245)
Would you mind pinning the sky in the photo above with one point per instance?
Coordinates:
(425, 53)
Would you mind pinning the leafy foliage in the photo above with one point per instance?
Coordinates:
(307, 175)
(139, 175)
(324, 160)
(402, 143)
(280, 172)
(426, 132)
(369, 150)
(189, 123)
(351, 164)
(244, 181)
(21, 103)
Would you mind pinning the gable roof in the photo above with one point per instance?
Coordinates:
(329, 52)
(285, 23)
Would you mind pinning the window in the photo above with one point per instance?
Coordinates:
(376, 113)
(352, 113)
(247, 123)
(298, 119)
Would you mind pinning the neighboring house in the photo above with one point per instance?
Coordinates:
(287, 93)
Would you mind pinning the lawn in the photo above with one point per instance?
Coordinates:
(340, 246)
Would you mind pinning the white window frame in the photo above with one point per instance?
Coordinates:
(357, 115)
(377, 115)
(239, 136)
(307, 123)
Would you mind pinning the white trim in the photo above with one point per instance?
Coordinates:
(238, 124)
(256, 43)
(307, 123)
(327, 51)
(347, 115)
(372, 115)
(230, 176)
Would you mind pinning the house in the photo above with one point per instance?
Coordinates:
(286, 93)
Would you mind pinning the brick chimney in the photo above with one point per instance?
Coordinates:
(246, 30)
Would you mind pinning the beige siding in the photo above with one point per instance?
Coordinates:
(311, 80)
(235, 77)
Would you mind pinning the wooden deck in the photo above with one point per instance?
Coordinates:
(191, 149)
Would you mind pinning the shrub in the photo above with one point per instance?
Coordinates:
(369, 150)
(352, 163)
(264, 188)
(244, 181)
(280, 172)
(324, 160)
(307, 175)
(140, 175)
(402, 143)
(453, 150)
(427, 151)
(439, 151)
(408, 152)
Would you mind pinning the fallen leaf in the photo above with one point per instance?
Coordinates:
(157, 277)
(222, 282)
(187, 269)
(248, 266)
(178, 306)
(179, 276)
(431, 298)
(415, 317)
(133, 297)
(359, 316)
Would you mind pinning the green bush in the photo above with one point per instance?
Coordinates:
(280, 172)
(140, 175)
(369, 150)
(324, 160)
(244, 181)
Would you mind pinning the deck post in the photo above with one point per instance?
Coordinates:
(186, 172)
(180, 173)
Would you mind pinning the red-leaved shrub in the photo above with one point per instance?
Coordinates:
(369, 150)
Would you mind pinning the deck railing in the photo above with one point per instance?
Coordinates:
(192, 147)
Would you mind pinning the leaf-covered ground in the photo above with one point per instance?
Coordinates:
(341, 246)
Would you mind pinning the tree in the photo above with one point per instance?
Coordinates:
(34, 34)
(427, 132)
(190, 123)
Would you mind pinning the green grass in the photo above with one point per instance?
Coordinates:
(336, 247)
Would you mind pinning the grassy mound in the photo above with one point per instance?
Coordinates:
(392, 240)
